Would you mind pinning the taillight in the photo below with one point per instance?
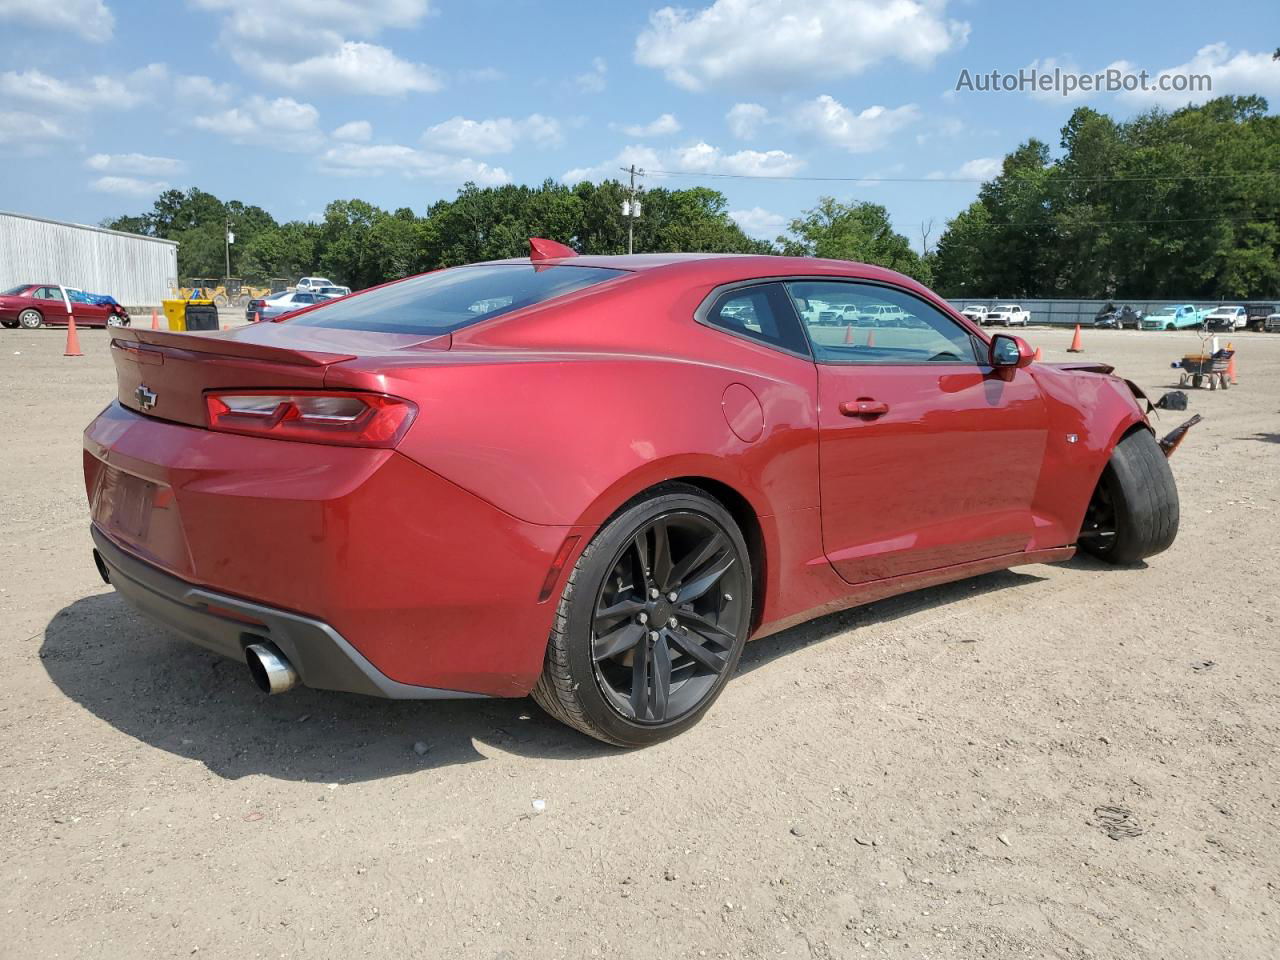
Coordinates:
(345, 418)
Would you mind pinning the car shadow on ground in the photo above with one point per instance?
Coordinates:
(186, 701)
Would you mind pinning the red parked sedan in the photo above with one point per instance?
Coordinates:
(593, 479)
(34, 305)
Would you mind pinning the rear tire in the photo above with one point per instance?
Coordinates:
(30, 319)
(1134, 511)
(603, 670)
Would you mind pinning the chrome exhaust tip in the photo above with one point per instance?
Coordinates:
(101, 564)
(270, 669)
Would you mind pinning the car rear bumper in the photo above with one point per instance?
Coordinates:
(226, 625)
(430, 584)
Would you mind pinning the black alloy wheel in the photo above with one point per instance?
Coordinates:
(652, 621)
(666, 617)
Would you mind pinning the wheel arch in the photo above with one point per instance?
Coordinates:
(730, 495)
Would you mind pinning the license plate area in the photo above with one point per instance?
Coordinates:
(142, 514)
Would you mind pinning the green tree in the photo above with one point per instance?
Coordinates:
(852, 231)
(1183, 204)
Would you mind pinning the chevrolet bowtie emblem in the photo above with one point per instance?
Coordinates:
(146, 396)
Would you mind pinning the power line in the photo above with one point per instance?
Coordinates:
(808, 179)
(1107, 223)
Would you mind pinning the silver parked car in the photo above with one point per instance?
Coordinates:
(284, 303)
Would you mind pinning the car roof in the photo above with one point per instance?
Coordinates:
(718, 268)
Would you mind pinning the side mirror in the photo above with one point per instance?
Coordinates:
(1008, 353)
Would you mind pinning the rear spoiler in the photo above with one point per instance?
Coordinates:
(214, 343)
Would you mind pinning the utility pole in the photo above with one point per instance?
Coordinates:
(631, 206)
(228, 239)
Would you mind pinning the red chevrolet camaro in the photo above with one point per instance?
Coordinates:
(592, 478)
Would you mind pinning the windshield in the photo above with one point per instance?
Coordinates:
(1165, 312)
(441, 302)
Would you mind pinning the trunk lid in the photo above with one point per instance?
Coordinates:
(164, 374)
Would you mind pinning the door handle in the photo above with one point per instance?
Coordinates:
(864, 407)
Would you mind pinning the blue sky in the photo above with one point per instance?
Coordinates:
(291, 103)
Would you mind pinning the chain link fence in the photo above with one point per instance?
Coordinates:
(1067, 313)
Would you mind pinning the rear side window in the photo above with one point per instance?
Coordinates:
(759, 312)
(448, 300)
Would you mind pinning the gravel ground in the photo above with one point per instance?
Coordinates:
(1065, 761)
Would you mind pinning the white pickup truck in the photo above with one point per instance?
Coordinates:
(1227, 318)
(1008, 315)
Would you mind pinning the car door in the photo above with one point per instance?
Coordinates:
(50, 303)
(85, 311)
(927, 456)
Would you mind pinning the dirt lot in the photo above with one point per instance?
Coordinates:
(918, 778)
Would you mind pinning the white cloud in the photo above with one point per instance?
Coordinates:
(353, 67)
(644, 158)
(830, 120)
(700, 157)
(374, 160)
(593, 81)
(91, 19)
(253, 18)
(746, 119)
(195, 89)
(17, 127)
(759, 222)
(282, 123)
(982, 168)
(357, 131)
(129, 186)
(792, 43)
(1241, 73)
(498, 135)
(139, 163)
(100, 92)
(303, 44)
(660, 127)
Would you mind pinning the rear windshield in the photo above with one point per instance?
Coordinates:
(448, 300)
(15, 291)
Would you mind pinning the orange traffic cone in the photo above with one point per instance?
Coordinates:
(73, 341)
(1077, 343)
(871, 338)
(155, 319)
(1039, 355)
(257, 316)
(1231, 366)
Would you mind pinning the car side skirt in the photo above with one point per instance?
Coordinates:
(893, 586)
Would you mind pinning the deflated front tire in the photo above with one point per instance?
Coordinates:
(1134, 510)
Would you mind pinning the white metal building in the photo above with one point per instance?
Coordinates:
(136, 270)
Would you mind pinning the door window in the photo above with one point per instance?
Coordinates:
(865, 323)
